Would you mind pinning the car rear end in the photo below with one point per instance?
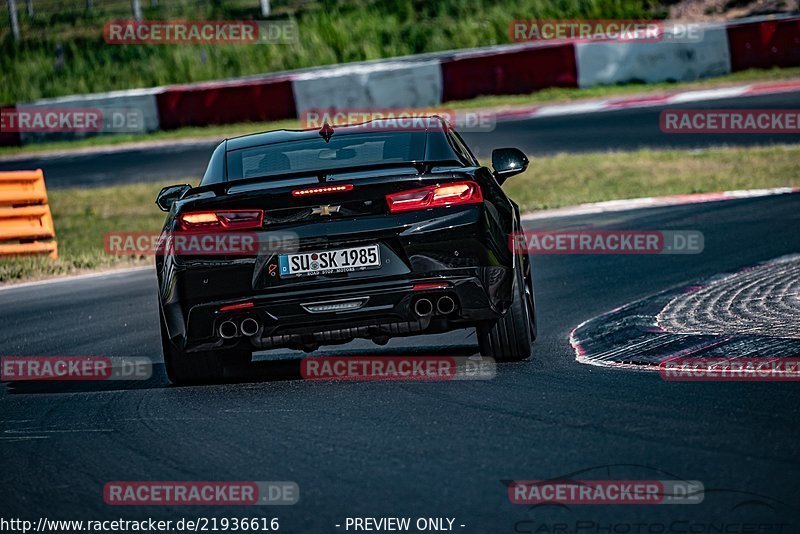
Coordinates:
(391, 250)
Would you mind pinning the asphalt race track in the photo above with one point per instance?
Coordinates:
(624, 129)
(441, 449)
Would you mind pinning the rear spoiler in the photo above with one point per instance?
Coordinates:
(422, 167)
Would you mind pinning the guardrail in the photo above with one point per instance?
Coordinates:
(26, 224)
(430, 79)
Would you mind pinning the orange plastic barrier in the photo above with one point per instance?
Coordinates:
(26, 225)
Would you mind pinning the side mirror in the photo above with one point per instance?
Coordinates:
(167, 196)
(507, 162)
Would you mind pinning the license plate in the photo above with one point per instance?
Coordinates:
(341, 260)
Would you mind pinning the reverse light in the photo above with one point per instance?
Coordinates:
(322, 189)
(221, 220)
(435, 196)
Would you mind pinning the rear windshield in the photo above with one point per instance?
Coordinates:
(316, 155)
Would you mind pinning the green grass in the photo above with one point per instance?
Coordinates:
(569, 179)
(553, 95)
(330, 31)
(83, 216)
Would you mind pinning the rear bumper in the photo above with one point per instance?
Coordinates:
(375, 310)
(462, 249)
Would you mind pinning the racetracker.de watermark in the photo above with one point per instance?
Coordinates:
(221, 243)
(71, 120)
(730, 121)
(588, 525)
(205, 493)
(151, 32)
(697, 369)
(423, 368)
(69, 368)
(607, 242)
(399, 119)
(651, 31)
(644, 492)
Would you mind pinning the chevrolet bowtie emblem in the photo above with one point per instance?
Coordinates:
(325, 210)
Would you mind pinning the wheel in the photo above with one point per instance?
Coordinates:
(530, 300)
(509, 338)
(197, 367)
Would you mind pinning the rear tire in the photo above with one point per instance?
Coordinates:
(197, 367)
(509, 338)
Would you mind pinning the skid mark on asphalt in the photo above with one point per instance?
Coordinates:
(61, 431)
(24, 434)
(632, 337)
(763, 300)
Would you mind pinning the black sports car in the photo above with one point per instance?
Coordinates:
(365, 231)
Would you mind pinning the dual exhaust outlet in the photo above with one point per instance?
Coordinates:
(248, 326)
(424, 307)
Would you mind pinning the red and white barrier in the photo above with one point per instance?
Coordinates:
(764, 44)
(508, 70)
(230, 102)
(613, 62)
(423, 81)
(9, 137)
(409, 84)
(129, 112)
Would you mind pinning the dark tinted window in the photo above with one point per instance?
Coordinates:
(316, 155)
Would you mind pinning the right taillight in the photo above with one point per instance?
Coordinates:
(435, 196)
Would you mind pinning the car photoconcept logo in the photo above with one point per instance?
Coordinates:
(325, 210)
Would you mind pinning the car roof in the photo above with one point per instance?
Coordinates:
(434, 123)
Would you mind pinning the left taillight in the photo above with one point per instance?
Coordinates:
(435, 196)
(221, 220)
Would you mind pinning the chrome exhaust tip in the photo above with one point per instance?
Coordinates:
(445, 305)
(423, 307)
(248, 327)
(228, 330)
